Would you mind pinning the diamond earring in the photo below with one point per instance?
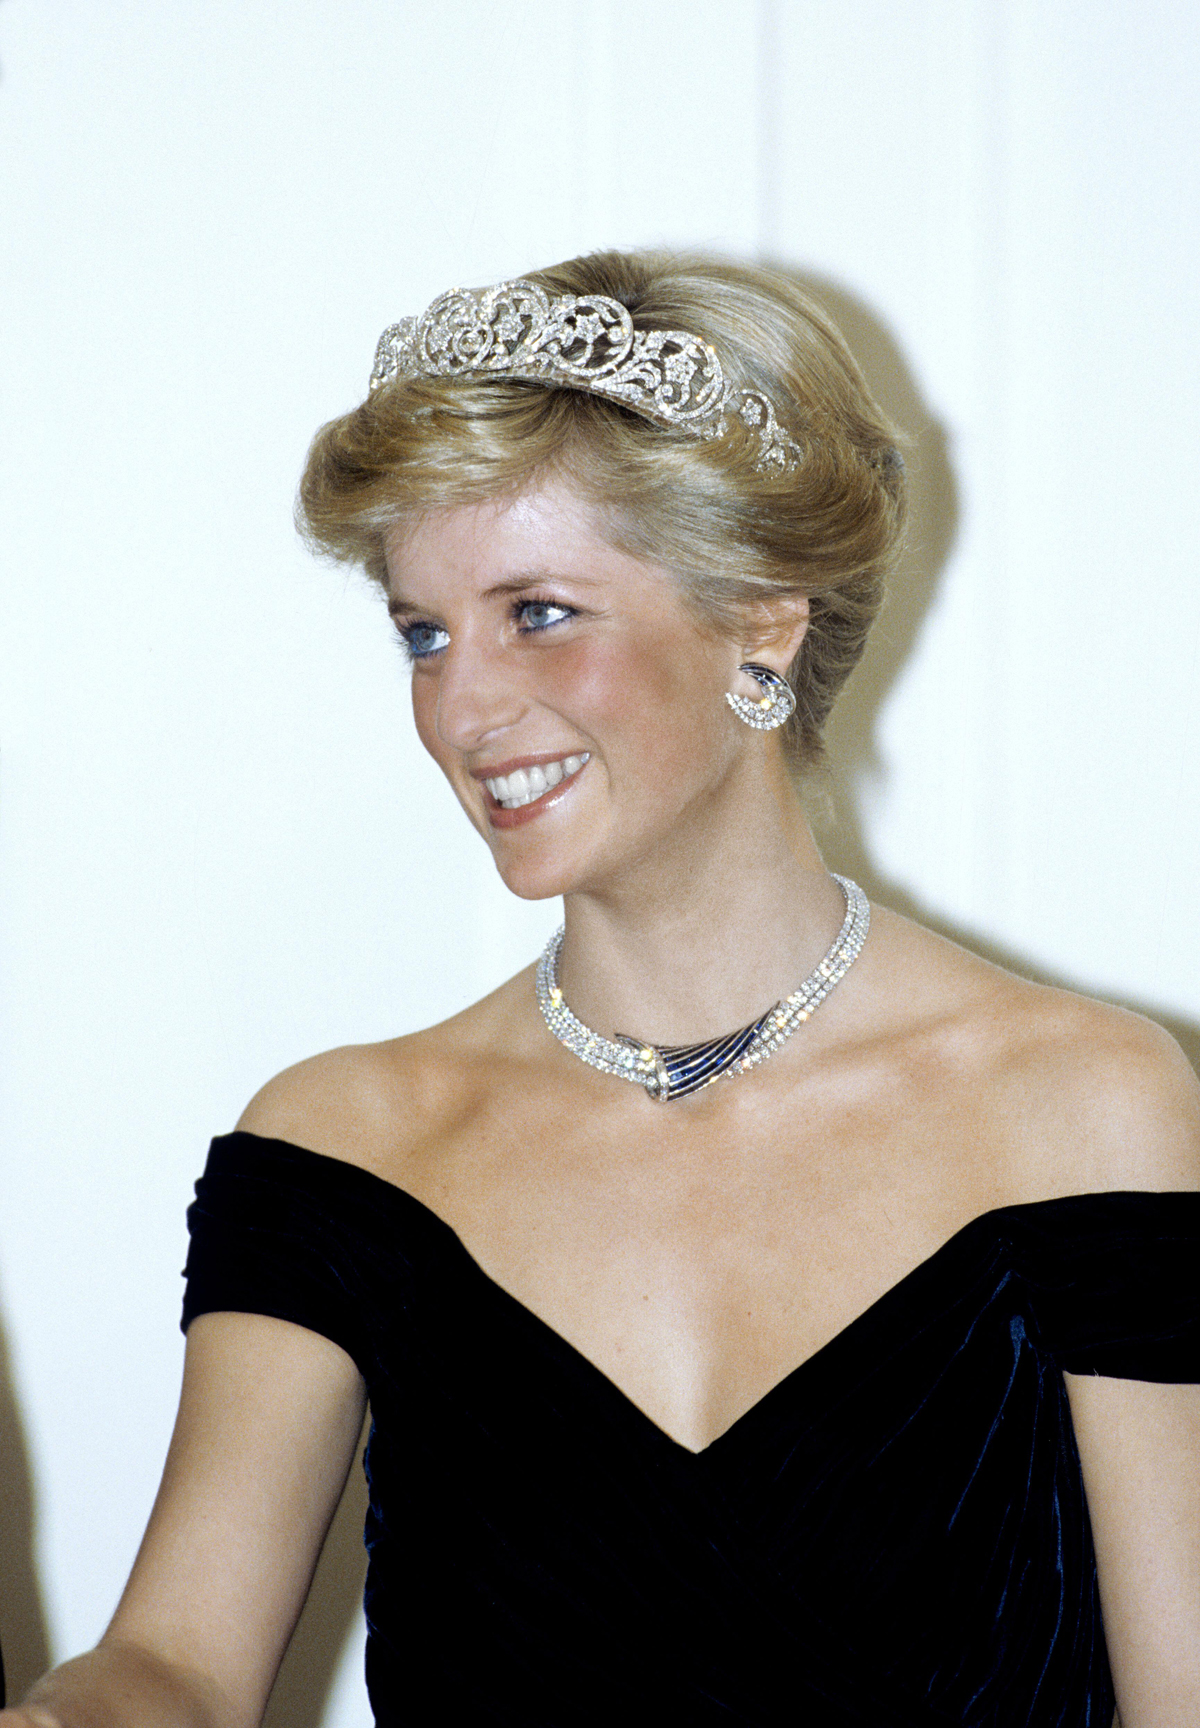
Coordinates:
(776, 705)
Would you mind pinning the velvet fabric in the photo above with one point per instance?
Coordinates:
(896, 1536)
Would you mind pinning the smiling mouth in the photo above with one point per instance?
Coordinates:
(523, 785)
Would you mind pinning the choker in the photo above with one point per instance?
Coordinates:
(668, 1071)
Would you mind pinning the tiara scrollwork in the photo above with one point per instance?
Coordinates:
(585, 342)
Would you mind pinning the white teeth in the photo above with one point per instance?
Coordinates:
(523, 785)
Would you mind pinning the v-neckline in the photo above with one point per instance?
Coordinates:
(530, 1317)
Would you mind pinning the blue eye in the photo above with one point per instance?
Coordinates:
(422, 640)
(536, 614)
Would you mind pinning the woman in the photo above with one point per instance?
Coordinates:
(826, 1351)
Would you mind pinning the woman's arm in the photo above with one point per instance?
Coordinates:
(1139, 1441)
(1140, 1447)
(268, 1422)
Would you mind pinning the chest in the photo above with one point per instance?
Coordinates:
(871, 1534)
(698, 1255)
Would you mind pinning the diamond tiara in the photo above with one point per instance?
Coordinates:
(586, 342)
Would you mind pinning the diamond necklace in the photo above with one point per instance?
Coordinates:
(673, 1070)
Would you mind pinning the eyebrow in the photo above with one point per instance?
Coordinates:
(511, 585)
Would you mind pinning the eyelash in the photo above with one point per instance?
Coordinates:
(408, 631)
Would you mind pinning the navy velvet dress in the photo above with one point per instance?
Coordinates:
(894, 1537)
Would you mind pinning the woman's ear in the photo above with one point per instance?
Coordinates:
(774, 630)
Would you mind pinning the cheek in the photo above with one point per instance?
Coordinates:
(424, 707)
(665, 703)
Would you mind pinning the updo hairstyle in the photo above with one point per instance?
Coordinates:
(828, 528)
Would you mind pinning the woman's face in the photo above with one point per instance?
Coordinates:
(538, 647)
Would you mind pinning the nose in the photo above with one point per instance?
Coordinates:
(478, 694)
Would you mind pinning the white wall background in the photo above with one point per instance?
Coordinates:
(219, 848)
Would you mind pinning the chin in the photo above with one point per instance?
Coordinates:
(535, 878)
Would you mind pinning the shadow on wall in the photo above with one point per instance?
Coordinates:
(305, 1680)
(22, 1617)
(854, 758)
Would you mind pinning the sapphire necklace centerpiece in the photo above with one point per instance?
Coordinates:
(669, 1071)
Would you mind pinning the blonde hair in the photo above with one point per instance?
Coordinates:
(829, 528)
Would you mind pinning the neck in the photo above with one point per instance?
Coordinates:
(694, 944)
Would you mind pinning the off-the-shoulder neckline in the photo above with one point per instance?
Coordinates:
(341, 1169)
(352, 1172)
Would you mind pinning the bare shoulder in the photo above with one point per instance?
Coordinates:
(1083, 1095)
(1107, 1093)
(378, 1105)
